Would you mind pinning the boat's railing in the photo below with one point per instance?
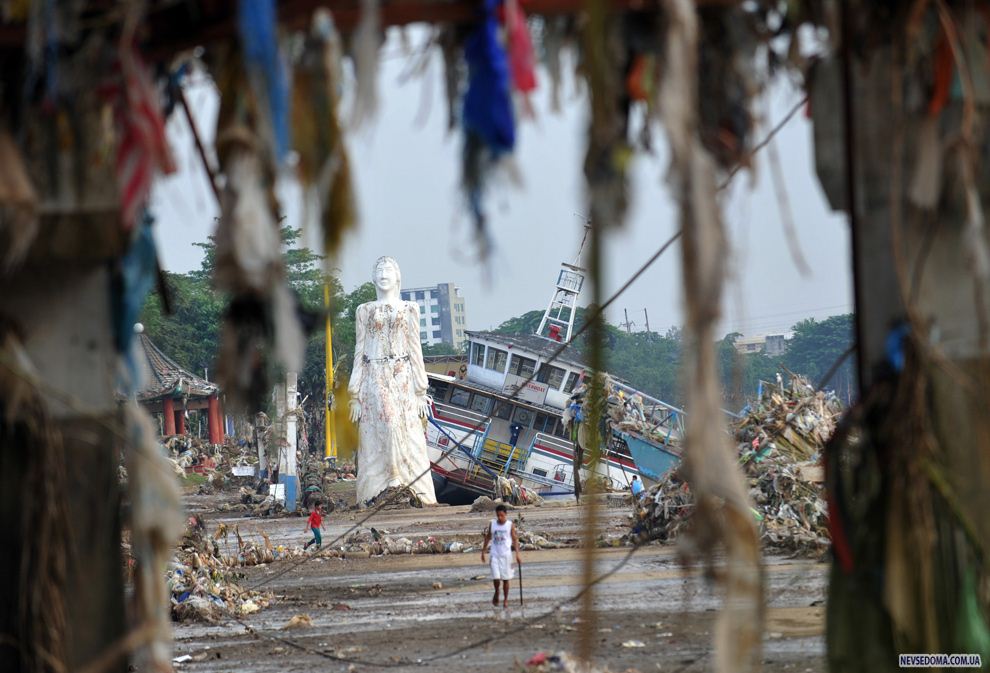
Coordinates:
(501, 456)
(463, 451)
(547, 481)
(463, 416)
(553, 442)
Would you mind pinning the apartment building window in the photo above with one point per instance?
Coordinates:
(552, 376)
(422, 336)
(419, 295)
(496, 360)
(436, 334)
(521, 366)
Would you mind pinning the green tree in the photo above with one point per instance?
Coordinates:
(817, 345)
(191, 333)
(442, 349)
(522, 324)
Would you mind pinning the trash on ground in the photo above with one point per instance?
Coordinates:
(780, 442)
(299, 622)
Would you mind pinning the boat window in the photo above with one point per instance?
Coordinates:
(481, 403)
(539, 473)
(572, 380)
(522, 416)
(496, 360)
(439, 390)
(552, 376)
(478, 355)
(544, 423)
(503, 410)
(460, 397)
(521, 366)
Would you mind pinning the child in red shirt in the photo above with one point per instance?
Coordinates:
(315, 523)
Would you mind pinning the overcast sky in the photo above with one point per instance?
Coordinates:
(406, 172)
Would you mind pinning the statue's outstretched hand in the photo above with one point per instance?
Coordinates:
(425, 406)
(355, 411)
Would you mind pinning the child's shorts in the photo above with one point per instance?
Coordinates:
(501, 567)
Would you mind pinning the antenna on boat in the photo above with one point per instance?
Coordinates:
(584, 239)
(558, 319)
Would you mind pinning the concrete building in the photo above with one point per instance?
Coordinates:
(442, 318)
(769, 344)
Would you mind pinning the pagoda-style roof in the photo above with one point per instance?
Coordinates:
(162, 377)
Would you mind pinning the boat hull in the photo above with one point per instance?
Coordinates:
(652, 460)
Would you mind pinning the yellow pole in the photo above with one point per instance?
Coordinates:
(331, 435)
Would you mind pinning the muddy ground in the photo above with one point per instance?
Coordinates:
(386, 612)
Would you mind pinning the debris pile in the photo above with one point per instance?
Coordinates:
(560, 662)
(375, 542)
(780, 441)
(395, 497)
(256, 502)
(223, 465)
(624, 412)
(511, 492)
(202, 582)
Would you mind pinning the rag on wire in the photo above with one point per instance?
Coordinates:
(489, 123)
(143, 146)
(256, 22)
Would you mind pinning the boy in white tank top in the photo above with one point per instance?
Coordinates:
(503, 538)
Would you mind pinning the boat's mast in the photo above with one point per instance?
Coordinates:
(558, 319)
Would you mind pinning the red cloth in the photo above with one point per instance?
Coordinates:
(315, 520)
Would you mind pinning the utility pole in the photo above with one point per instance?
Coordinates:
(627, 324)
(329, 431)
(647, 316)
(287, 444)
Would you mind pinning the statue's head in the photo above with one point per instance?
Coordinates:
(386, 274)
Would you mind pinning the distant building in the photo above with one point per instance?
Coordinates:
(442, 318)
(768, 344)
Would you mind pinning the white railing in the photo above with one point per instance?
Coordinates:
(553, 442)
(464, 416)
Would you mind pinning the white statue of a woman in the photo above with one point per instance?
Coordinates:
(388, 392)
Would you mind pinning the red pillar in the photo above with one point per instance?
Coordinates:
(213, 420)
(168, 411)
(221, 421)
(180, 422)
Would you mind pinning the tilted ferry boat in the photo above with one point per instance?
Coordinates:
(492, 423)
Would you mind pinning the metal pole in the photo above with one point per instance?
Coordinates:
(210, 173)
(519, 563)
(328, 419)
(647, 315)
